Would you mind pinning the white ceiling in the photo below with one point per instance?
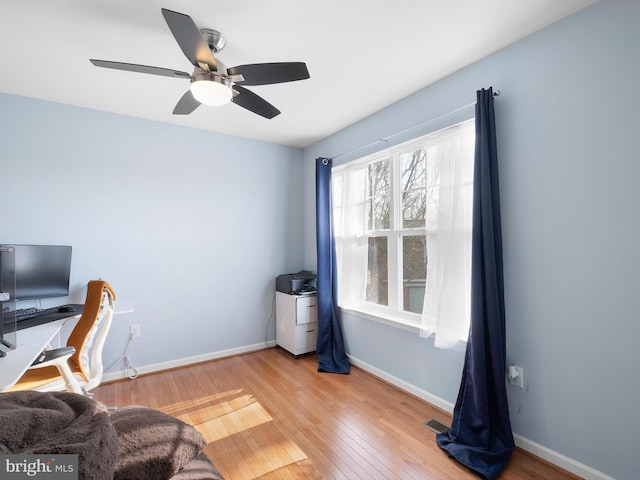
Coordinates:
(362, 55)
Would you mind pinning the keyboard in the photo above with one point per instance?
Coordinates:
(24, 313)
(47, 315)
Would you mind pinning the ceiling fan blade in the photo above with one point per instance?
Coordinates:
(186, 104)
(132, 67)
(268, 73)
(189, 39)
(254, 103)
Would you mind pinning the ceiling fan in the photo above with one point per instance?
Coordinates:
(211, 82)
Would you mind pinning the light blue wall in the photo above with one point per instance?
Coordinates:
(190, 227)
(568, 131)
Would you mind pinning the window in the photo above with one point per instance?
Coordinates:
(399, 217)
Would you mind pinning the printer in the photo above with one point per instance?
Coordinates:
(297, 283)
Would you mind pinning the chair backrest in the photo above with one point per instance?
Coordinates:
(90, 333)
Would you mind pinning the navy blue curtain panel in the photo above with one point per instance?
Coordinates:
(332, 357)
(480, 435)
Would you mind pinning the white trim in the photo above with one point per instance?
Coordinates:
(562, 461)
(181, 362)
(395, 321)
(569, 464)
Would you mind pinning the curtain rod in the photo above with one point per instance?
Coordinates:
(496, 93)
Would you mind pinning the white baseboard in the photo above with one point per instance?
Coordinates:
(181, 362)
(562, 461)
(551, 456)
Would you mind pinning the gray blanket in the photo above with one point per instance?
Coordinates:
(59, 423)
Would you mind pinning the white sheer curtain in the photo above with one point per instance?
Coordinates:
(447, 298)
(349, 209)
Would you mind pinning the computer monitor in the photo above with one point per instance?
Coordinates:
(41, 271)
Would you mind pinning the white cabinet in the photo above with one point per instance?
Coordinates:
(296, 322)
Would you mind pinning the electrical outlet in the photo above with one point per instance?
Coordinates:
(518, 379)
(134, 330)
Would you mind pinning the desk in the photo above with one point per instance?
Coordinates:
(31, 341)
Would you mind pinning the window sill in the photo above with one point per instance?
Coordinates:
(398, 322)
(392, 321)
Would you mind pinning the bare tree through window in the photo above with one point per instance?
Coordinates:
(413, 189)
(414, 247)
(379, 218)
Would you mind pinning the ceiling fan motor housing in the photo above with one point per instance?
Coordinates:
(214, 39)
(218, 77)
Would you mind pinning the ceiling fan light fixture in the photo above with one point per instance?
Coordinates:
(211, 91)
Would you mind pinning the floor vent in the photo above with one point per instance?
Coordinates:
(436, 426)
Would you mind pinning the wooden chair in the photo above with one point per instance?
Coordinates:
(77, 367)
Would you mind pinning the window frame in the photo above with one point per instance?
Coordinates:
(393, 314)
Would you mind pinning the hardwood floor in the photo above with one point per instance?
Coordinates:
(268, 416)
